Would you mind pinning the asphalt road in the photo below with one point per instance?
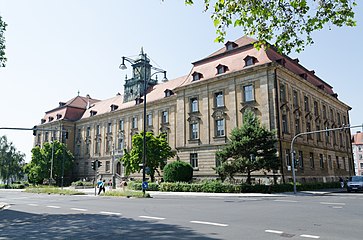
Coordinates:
(39, 216)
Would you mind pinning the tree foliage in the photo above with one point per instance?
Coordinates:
(39, 167)
(178, 171)
(251, 148)
(2, 43)
(157, 153)
(11, 161)
(287, 24)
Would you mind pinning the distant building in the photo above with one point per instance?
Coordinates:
(357, 145)
(198, 111)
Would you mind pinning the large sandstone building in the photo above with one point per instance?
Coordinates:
(199, 110)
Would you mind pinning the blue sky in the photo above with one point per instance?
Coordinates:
(57, 48)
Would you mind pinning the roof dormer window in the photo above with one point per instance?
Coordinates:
(93, 113)
(168, 93)
(138, 100)
(113, 107)
(221, 69)
(230, 45)
(250, 60)
(50, 119)
(197, 76)
(42, 120)
(303, 75)
(59, 116)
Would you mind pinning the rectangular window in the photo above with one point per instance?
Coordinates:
(316, 108)
(98, 146)
(338, 119)
(324, 111)
(361, 165)
(321, 159)
(311, 159)
(297, 125)
(360, 156)
(282, 93)
(287, 157)
(120, 144)
(337, 162)
(98, 130)
(88, 132)
(194, 160)
(330, 163)
(194, 105)
(108, 168)
(248, 93)
(344, 166)
(308, 129)
(165, 117)
(134, 123)
(87, 148)
(46, 137)
(149, 120)
(301, 160)
(219, 101)
(194, 131)
(285, 128)
(121, 125)
(331, 114)
(109, 128)
(295, 99)
(220, 128)
(306, 104)
(318, 135)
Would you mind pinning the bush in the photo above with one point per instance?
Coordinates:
(136, 185)
(81, 183)
(13, 186)
(178, 171)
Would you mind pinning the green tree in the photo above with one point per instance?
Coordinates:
(40, 166)
(251, 148)
(157, 153)
(287, 24)
(2, 43)
(11, 161)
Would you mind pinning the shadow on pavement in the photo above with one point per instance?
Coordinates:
(20, 225)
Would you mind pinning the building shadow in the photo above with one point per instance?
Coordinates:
(20, 225)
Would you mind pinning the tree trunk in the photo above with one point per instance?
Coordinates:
(249, 177)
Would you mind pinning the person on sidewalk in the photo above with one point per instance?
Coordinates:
(341, 180)
(101, 187)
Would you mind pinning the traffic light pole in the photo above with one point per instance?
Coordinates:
(312, 132)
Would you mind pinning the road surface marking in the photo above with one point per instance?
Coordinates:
(337, 207)
(149, 217)
(111, 213)
(309, 236)
(79, 209)
(211, 223)
(33, 204)
(53, 206)
(274, 231)
(330, 203)
(292, 201)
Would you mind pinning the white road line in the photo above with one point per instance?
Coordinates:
(33, 204)
(330, 203)
(149, 217)
(79, 209)
(274, 231)
(110, 213)
(53, 206)
(337, 207)
(211, 223)
(290, 201)
(309, 236)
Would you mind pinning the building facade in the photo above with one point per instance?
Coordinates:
(199, 110)
(357, 145)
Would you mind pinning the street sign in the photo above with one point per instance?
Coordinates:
(145, 185)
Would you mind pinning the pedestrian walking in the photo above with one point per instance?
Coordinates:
(101, 187)
(341, 180)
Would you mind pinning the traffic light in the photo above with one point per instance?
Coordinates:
(99, 164)
(93, 163)
(34, 130)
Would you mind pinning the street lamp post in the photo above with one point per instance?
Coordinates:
(146, 81)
